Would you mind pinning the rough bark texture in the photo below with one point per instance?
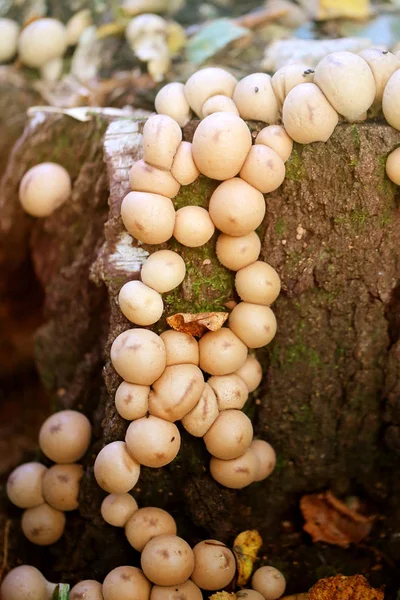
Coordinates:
(330, 397)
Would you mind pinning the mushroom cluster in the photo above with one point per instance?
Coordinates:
(44, 493)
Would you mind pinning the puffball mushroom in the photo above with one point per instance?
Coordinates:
(44, 188)
(263, 168)
(161, 138)
(138, 356)
(251, 373)
(347, 82)
(148, 523)
(288, 77)
(237, 252)
(146, 178)
(26, 583)
(61, 486)
(181, 348)
(255, 98)
(221, 352)
(65, 436)
(220, 145)
(230, 435)
(43, 525)
(184, 591)
(393, 166)
(390, 104)
(208, 82)
(24, 485)
(199, 420)
(275, 137)
(183, 168)
(9, 31)
(163, 271)
(266, 459)
(269, 582)
(171, 101)
(254, 324)
(42, 41)
(167, 560)
(115, 469)
(236, 473)
(230, 390)
(249, 595)
(258, 283)
(117, 509)
(125, 583)
(382, 64)
(219, 103)
(140, 304)
(132, 400)
(236, 208)
(88, 589)
(215, 565)
(77, 24)
(302, 103)
(150, 218)
(193, 226)
(176, 392)
(152, 441)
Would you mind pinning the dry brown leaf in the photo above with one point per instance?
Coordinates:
(223, 596)
(245, 548)
(340, 587)
(327, 519)
(197, 324)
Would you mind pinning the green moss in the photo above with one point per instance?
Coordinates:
(280, 227)
(196, 194)
(295, 170)
(299, 352)
(356, 136)
(355, 219)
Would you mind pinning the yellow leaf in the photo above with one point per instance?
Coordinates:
(347, 9)
(245, 548)
(223, 596)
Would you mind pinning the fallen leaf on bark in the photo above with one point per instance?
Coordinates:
(340, 587)
(245, 548)
(197, 324)
(327, 519)
(223, 596)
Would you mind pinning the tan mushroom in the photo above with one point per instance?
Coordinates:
(184, 591)
(161, 138)
(266, 459)
(221, 352)
(288, 77)
(163, 271)
(148, 523)
(150, 218)
(44, 188)
(255, 98)
(236, 208)
(390, 103)
(275, 137)
(258, 283)
(138, 356)
(43, 525)
(199, 420)
(42, 41)
(181, 348)
(167, 560)
(203, 84)
(393, 166)
(125, 583)
(249, 595)
(117, 509)
(231, 391)
(251, 373)
(230, 435)
(65, 436)
(171, 101)
(140, 304)
(184, 168)
(9, 31)
(26, 583)
(254, 324)
(115, 469)
(153, 442)
(146, 178)
(215, 565)
(76, 25)
(219, 103)
(236, 473)
(263, 169)
(176, 392)
(269, 582)
(88, 589)
(236, 252)
(193, 226)
(382, 64)
(61, 485)
(24, 485)
(132, 400)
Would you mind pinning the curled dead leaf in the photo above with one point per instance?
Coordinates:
(340, 587)
(223, 596)
(197, 324)
(245, 548)
(327, 519)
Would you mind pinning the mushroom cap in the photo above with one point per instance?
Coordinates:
(167, 560)
(208, 82)
(219, 103)
(44, 188)
(171, 101)
(9, 31)
(88, 589)
(147, 523)
(24, 485)
(140, 304)
(236, 473)
(390, 103)
(65, 436)
(161, 138)
(43, 525)
(263, 168)
(231, 391)
(230, 435)
(288, 77)
(75, 26)
(193, 226)
(61, 484)
(382, 64)
(184, 591)
(236, 208)
(221, 352)
(115, 470)
(275, 137)
(251, 373)
(254, 324)
(138, 356)
(163, 271)
(146, 178)
(125, 583)
(269, 582)
(220, 145)
(199, 420)
(176, 392)
(307, 115)
(152, 441)
(393, 166)
(150, 218)
(266, 458)
(258, 283)
(236, 252)
(41, 41)
(215, 565)
(184, 168)
(26, 583)
(249, 595)
(117, 509)
(347, 82)
(132, 400)
(255, 98)
(181, 348)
